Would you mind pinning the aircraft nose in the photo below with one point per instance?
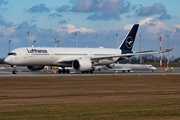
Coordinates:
(7, 60)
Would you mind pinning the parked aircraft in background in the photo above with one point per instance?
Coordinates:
(126, 67)
(82, 59)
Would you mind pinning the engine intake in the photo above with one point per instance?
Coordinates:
(82, 64)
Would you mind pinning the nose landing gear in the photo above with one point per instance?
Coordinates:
(14, 70)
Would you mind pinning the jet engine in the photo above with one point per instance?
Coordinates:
(34, 68)
(82, 64)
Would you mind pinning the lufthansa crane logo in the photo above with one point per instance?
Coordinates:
(129, 42)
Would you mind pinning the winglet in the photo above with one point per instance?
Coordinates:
(170, 49)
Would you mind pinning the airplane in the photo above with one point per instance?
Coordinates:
(126, 67)
(81, 59)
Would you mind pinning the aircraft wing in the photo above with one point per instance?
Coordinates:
(96, 58)
(168, 50)
(123, 55)
(132, 54)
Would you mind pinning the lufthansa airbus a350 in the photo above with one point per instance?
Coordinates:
(82, 59)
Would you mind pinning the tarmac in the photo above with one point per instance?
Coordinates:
(24, 71)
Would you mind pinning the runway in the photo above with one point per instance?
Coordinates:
(25, 72)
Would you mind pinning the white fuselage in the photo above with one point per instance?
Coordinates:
(52, 56)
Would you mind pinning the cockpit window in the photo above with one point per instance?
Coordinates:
(12, 54)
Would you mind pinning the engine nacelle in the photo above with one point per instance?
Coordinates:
(82, 64)
(34, 68)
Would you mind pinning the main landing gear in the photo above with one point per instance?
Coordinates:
(63, 71)
(88, 71)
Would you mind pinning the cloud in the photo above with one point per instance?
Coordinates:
(24, 26)
(18, 30)
(63, 8)
(3, 2)
(153, 26)
(176, 34)
(33, 19)
(16, 40)
(3, 22)
(54, 15)
(8, 31)
(150, 28)
(102, 6)
(62, 21)
(103, 16)
(177, 26)
(128, 26)
(141, 22)
(145, 21)
(165, 16)
(72, 28)
(157, 8)
(38, 9)
(101, 9)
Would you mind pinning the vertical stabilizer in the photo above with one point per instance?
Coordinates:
(128, 42)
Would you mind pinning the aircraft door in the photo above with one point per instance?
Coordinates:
(52, 54)
(25, 54)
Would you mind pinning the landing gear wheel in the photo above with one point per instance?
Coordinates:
(67, 71)
(14, 72)
(88, 71)
(63, 71)
(59, 71)
(91, 71)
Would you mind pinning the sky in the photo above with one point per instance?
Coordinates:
(96, 22)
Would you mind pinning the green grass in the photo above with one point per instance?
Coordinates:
(96, 111)
(90, 98)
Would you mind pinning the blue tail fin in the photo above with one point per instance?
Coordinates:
(127, 44)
